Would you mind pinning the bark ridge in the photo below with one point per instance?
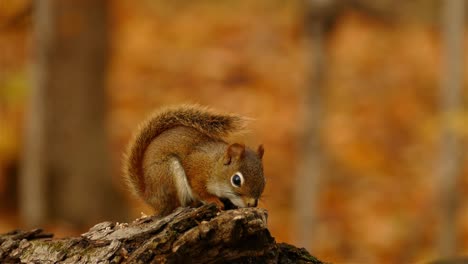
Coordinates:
(188, 235)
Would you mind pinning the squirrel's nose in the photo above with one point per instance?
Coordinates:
(252, 202)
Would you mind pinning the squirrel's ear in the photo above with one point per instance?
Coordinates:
(260, 151)
(234, 151)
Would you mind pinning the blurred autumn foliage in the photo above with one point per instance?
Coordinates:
(382, 124)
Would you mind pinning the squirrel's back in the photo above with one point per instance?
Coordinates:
(202, 119)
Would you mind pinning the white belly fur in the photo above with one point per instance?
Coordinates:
(184, 192)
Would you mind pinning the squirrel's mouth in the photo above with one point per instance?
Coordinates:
(228, 205)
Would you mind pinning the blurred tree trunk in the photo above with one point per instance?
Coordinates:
(320, 20)
(308, 180)
(451, 105)
(66, 172)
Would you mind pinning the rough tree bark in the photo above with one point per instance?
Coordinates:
(189, 235)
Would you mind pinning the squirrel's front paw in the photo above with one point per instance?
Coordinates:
(216, 201)
(228, 205)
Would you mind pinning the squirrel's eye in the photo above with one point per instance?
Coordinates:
(237, 179)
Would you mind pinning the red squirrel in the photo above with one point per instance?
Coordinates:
(179, 157)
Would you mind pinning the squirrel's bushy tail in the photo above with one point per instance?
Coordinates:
(204, 120)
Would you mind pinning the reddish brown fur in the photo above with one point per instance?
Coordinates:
(191, 136)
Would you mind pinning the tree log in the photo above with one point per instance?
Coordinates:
(188, 235)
